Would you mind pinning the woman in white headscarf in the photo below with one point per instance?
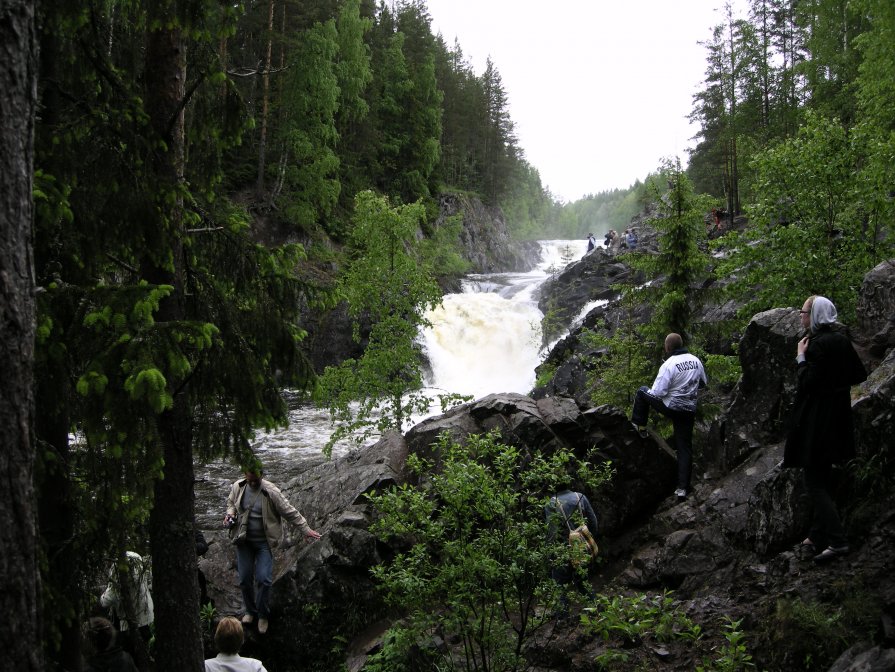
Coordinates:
(821, 431)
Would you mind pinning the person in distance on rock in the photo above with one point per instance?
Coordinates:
(228, 638)
(673, 394)
(262, 506)
(821, 433)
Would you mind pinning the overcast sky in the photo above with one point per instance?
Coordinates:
(599, 90)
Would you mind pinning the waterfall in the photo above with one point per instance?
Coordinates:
(488, 337)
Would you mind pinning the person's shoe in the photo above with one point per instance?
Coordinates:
(644, 434)
(262, 626)
(247, 619)
(808, 544)
(831, 553)
(681, 494)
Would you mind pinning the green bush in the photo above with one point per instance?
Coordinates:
(475, 569)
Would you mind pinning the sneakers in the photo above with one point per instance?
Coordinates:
(248, 619)
(681, 494)
(262, 626)
(831, 553)
(644, 434)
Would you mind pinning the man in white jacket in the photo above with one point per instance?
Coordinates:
(673, 394)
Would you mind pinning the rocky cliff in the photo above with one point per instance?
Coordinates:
(485, 236)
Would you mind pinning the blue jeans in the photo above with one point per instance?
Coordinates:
(682, 421)
(254, 562)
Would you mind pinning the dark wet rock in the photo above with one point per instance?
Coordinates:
(591, 278)
(763, 397)
(644, 472)
(865, 657)
(876, 309)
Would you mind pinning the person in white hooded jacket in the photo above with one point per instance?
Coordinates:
(674, 394)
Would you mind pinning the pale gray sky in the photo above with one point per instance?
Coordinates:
(599, 90)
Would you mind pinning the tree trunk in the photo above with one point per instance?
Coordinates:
(265, 102)
(172, 540)
(19, 599)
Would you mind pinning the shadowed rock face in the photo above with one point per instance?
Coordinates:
(485, 237)
(731, 548)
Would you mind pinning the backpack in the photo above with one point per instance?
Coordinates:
(584, 546)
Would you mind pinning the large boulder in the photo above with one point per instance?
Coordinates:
(591, 278)
(644, 468)
(764, 395)
(876, 309)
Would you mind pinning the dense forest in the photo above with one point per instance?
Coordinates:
(161, 139)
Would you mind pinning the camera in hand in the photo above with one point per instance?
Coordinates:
(229, 521)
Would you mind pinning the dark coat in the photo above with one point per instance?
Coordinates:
(562, 507)
(112, 660)
(821, 430)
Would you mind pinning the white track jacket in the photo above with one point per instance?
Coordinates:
(678, 380)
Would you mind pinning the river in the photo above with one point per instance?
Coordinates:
(484, 339)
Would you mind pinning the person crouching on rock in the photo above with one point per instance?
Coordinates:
(260, 507)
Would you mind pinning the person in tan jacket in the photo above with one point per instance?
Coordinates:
(261, 507)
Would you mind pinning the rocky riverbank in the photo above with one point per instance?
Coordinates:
(730, 551)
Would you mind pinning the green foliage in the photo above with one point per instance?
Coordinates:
(627, 620)
(681, 261)
(810, 634)
(545, 374)
(389, 282)
(310, 102)
(157, 311)
(441, 249)
(208, 614)
(731, 656)
(875, 84)
(722, 369)
(476, 566)
(626, 358)
(810, 232)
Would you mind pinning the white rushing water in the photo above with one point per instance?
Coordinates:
(488, 338)
(483, 340)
